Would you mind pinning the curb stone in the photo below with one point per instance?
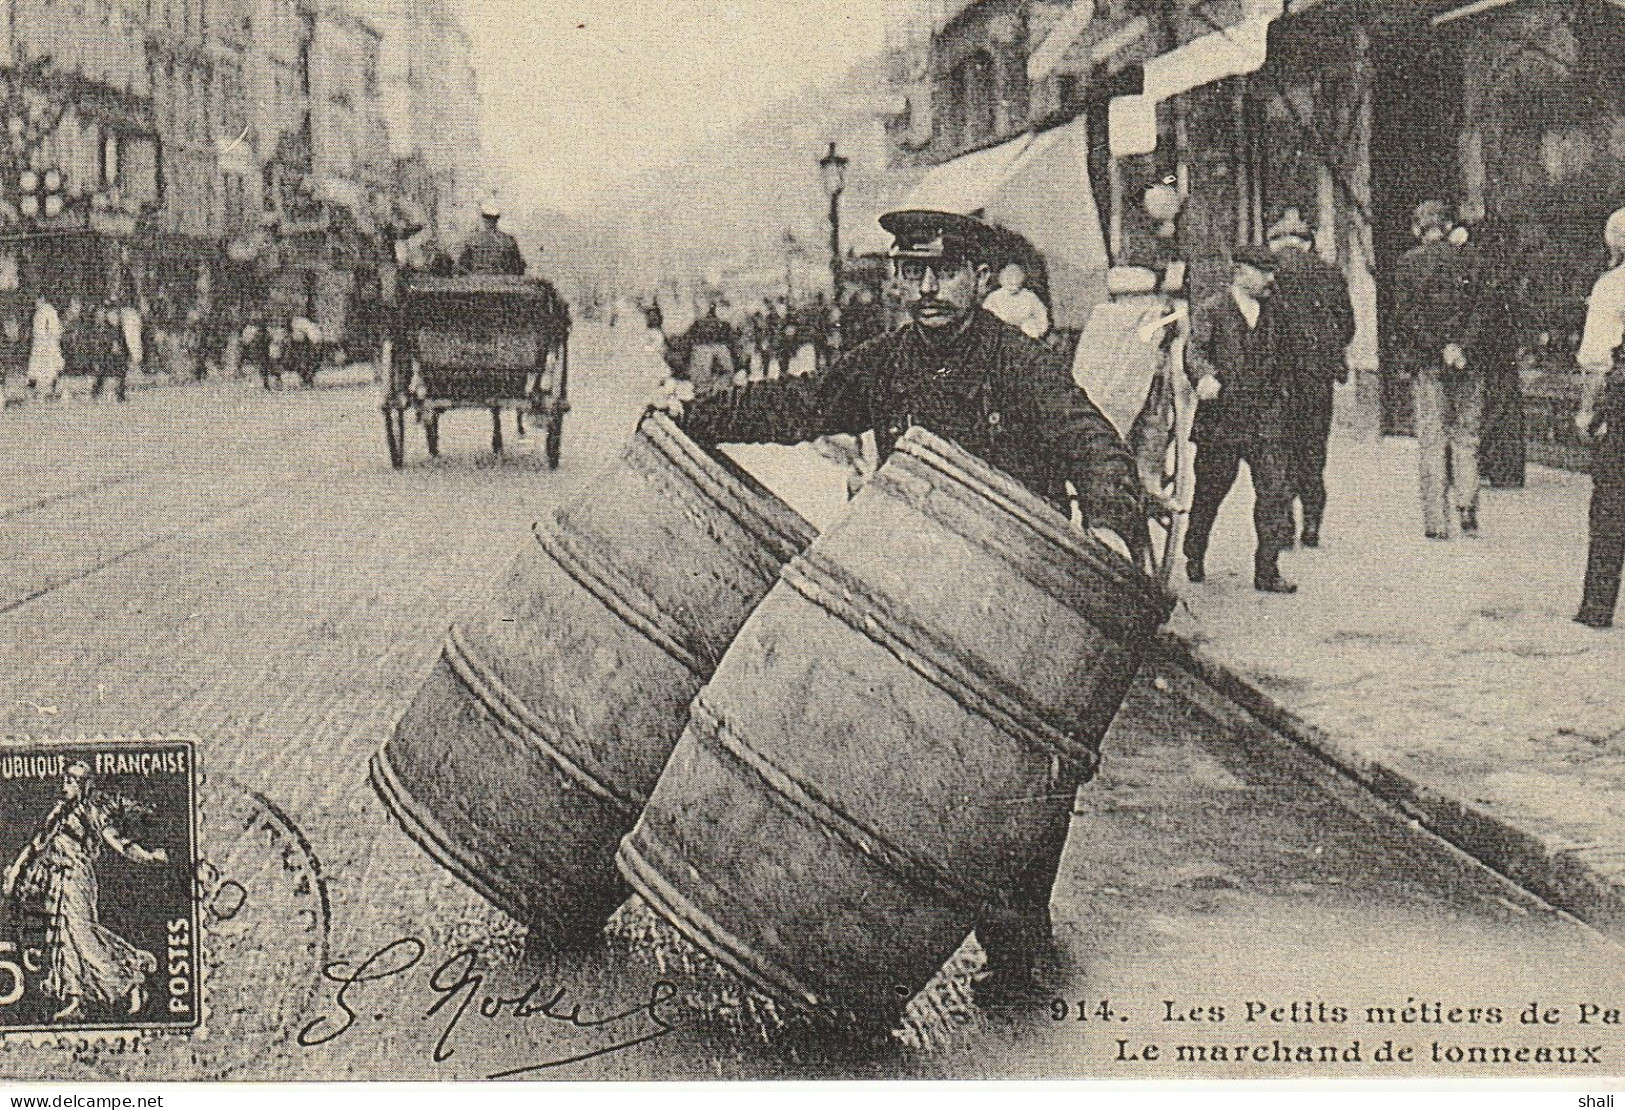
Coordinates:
(1584, 880)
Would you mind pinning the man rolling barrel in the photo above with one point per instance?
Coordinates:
(960, 372)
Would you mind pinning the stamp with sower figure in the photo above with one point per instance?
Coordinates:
(98, 919)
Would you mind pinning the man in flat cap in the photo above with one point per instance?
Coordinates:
(1438, 316)
(963, 373)
(1311, 301)
(1243, 391)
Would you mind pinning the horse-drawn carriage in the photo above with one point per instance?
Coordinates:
(477, 341)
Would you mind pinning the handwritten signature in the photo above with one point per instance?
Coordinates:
(460, 993)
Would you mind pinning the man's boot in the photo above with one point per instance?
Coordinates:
(1267, 576)
(1021, 957)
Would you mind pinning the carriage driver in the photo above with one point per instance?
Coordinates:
(490, 250)
(964, 374)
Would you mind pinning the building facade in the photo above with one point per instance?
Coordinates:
(1350, 110)
(189, 154)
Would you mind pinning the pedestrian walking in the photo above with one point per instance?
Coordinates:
(13, 349)
(1601, 421)
(1316, 325)
(1244, 392)
(961, 372)
(1017, 305)
(302, 351)
(131, 325)
(256, 344)
(1437, 324)
(104, 344)
(782, 333)
(45, 359)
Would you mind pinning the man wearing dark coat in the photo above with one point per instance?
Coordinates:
(1243, 392)
(1316, 325)
(1439, 315)
(961, 372)
(490, 250)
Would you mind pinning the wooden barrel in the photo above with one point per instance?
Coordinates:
(530, 749)
(871, 765)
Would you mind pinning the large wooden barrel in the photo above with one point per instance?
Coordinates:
(870, 767)
(532, 746)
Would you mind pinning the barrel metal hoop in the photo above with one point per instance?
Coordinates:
(719, 942)
(429, 834)
(511, 713)
(761, 554)
(1043, 576)
(993, 486)
(621, 596)
(782, 530)
(977, 692)
(706, 725)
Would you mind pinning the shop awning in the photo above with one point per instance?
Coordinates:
(965, 184)
(1235, 50)
(1045, 195)
(1038, 186)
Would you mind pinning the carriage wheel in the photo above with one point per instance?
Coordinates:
(395, 435)
(431, 432)
(555, 439)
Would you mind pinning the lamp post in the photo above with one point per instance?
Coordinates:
(792, 251)
(833, 168)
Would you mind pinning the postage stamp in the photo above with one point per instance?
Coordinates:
(100, 924)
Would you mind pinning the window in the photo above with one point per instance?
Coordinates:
(110, 161)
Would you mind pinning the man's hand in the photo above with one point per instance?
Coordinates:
(1207, 388)
(671, 397)
(1454, 356)
(1586, 425)
(1112, 540)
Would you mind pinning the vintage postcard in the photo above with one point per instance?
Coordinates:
(944, 539)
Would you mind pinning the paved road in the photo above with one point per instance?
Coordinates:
(213, 560)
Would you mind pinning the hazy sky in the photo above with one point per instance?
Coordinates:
(579, 96)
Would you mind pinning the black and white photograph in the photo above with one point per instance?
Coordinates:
(718, 540)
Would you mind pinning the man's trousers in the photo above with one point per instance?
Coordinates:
(1311, 432)
(1217, 465)
(1015, 935)
(1607, 554)
(1449, 412)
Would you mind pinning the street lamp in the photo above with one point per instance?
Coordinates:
(833, 168)
(792, 251)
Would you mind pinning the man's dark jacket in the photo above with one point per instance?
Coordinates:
(989, 388)
(1437, 302)
(492, 251)
(1256, 385)
(1314, 315)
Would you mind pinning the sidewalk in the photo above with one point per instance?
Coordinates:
(1447, 677)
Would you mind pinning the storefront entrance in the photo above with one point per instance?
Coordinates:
(1416, 121)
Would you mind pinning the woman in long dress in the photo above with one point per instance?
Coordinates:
(56, 869)
(45, 361)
